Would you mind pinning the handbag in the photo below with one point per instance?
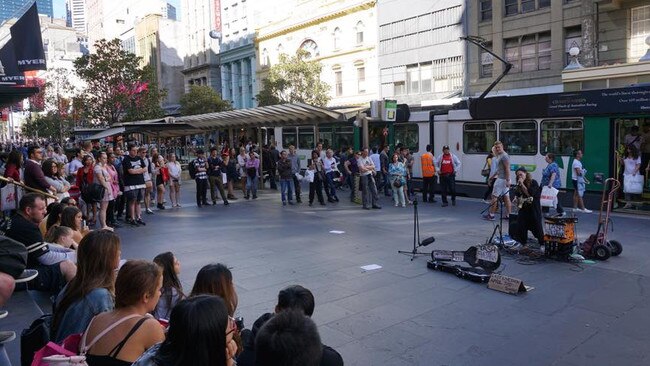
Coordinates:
(93, 192)
(633, 184)
(10, 195)
(397, 183)
(486, 170)
(13, 256)
(548, 197)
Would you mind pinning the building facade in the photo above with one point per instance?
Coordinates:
(76, 15)
(160, 43)
(342, 36)
(201, 61)
(420, 55)
(14, 8)
(237, 53)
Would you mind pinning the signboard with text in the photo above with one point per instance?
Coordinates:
(605, 101)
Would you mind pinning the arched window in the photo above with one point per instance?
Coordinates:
(311, 48)
(338, 80)
(265, 58)
(359, 29)
(280, 49)
(337, 38)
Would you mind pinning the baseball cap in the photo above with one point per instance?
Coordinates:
(446, 147)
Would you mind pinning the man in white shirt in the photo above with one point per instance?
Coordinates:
(579, 180)
(366, 171)
(376, 159)
(329, 163)
(74, 165)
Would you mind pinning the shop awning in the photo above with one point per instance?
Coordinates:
(10, 94)
(106, 133)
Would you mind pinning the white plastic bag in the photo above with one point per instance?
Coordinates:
(224, 178)
(10, 195)
(548, 197)
(309, 176)
(299, 177)
(633, 184)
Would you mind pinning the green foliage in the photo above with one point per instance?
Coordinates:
(294, 79)
(202, 99)
(51, 126)
(116, 88)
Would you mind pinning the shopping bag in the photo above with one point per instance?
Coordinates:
(633, 184)
(309, 176)
(548, 197)
(10, 195)
(224, 178)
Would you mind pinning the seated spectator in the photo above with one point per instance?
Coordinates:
(61, 235)
(52, 218)
(216, 279)
(91, 291)
(54, 266)
(71, 217)
(172, 290)
(197, 326)
(131, 330)
(296, 298)
(288, 339)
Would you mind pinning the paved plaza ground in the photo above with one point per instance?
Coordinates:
(404, 313)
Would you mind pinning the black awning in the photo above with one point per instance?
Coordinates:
(10, 94)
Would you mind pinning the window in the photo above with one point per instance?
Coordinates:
(337, 38)
(487, 62)
(529, 53)
(519, 137)
(289, 137)
(561, 137)
(361, 79)
(514, 7)
(343, 137)
(408, 136)
(413, 79)
(572, 38)
(359, 30)
(265, 58)
(478, 137)
(640, 30)
(399, 88)
(305, 137)
(311, 48)
(280, 49)
(338, 80)
(485, 10)
(426, 74)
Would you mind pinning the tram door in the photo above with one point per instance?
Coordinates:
(634, 133)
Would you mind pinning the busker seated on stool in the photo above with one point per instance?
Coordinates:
(527, 193)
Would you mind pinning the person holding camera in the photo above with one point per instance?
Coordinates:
(397, 173)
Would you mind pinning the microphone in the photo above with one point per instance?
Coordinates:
(427, 241)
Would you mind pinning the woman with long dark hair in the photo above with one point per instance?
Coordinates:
(13, 166)
(121, 336)
(85, 177)
(71, 217)
(200, 333)
(172, 290)
(92, 290)
(216, 279)
(52, 176)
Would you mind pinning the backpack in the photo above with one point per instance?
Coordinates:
(191, 167)
(13, 256)
(34, 338)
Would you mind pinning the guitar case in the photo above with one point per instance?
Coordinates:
(473, 274)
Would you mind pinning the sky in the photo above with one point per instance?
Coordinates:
(59, 7)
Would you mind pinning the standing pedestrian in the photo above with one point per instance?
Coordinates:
(286, 178)
(579, 180)
(367, 171)
(501, 187)
(252, 174)
(232, 173)
(329, 164)
(241, 164)
(376, 159)
(316, 187)
(448, 165)
(409, 168)
(147, 179)
(428, 176)
(201, 178)
(295, 171)
(352, 169)
(174, 168)
(215, 178)
(385, 160)
(551, 178)
(397, 172)
(134, 186)
(102, 177)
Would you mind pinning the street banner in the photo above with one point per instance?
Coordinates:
(9, 72)
(28, 43)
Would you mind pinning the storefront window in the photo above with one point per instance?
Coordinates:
(519, 138)
(343, 138)
(478, 137)
(408, 136)
(289, 137)
(561, 137)
(306, 138)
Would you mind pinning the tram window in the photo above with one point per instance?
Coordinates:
(289, 137)
(561, 137)
(478, 137)
(325, 136)
(306, 138)
(519, 137)
(343, 138)
(408, 136)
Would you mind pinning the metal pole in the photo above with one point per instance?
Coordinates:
(364, 131)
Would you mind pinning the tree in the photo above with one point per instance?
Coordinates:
(117, 89)
(202, 99)
(50, 125)
(294, 79)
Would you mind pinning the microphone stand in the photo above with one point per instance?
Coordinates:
(416, 235)
(499, 226)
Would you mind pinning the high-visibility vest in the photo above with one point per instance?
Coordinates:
(428, 170)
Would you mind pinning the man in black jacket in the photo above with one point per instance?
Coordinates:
(293, 297)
